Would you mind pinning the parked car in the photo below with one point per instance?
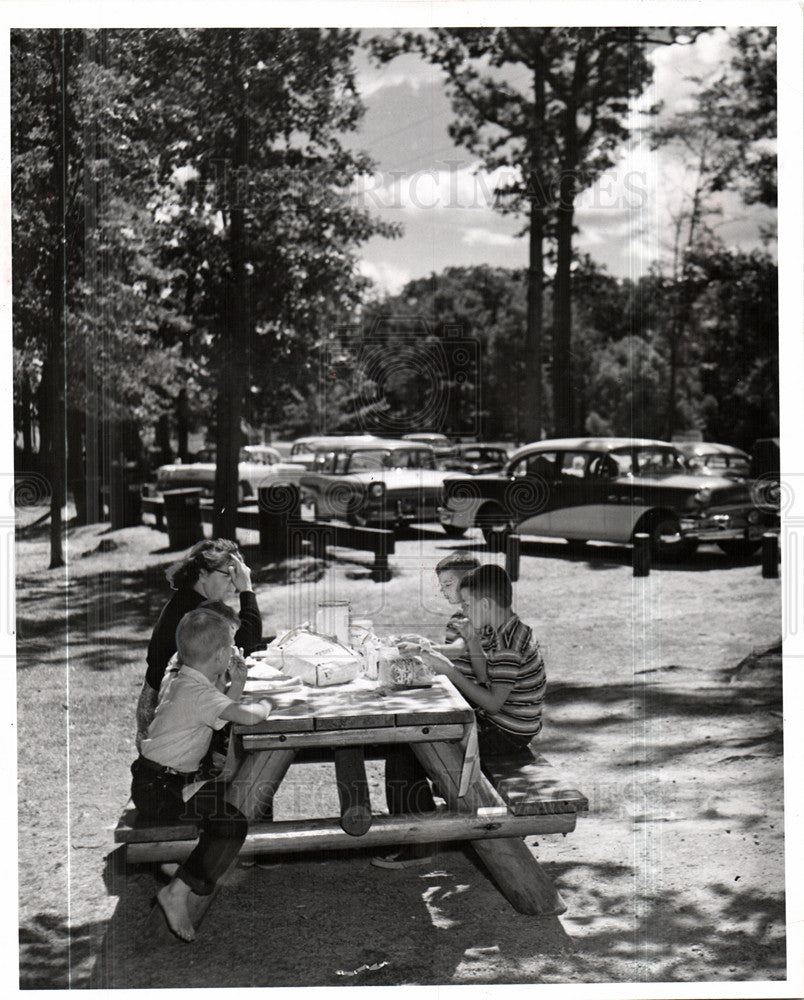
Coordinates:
(304, 449)
(606, 489)
(440, 443)
(476, 458)
(260, 465)
(384, 482)
(712, 459)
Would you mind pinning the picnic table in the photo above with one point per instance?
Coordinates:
(350, 721)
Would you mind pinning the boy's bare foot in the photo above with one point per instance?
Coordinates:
(172, 900)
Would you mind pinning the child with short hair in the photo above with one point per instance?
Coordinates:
(164, 784)
(509, 694)
(463, 644)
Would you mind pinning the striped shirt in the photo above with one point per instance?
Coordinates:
(514, 656)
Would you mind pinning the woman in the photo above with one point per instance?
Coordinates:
(213, 570)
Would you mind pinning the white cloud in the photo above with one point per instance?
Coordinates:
(388, 277)
(459, 184)
(674, 65)
(478, 236)
(406, 71)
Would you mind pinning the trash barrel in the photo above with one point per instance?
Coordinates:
(183, 517)
(278, 511)
(125, 508)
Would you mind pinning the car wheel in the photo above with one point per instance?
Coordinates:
(495, 525)
(739, 548)
(666, 543)
(452, 531)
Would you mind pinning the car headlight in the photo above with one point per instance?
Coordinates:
(376, 490)
(703, 496)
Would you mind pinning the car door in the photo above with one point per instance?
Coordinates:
(529, 494)
(579, 506)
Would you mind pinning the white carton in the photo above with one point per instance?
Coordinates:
(318, 660)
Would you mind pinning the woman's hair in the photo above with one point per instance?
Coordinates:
(208, 554)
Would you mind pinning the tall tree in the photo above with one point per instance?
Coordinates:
(255, 208)
(745, 122)
(87, 294)
(726, 139)
(560, 130)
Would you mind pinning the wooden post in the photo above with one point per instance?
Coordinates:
(278, 507)
(770, 555)
(513, 546)
(353, 792)
(641, 555)
(518, 875)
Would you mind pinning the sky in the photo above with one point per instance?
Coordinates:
(443, 198)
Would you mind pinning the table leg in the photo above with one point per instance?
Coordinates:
(518, 875)
(353, 793)
(257, 779)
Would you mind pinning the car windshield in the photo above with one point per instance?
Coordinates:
(375, 459)
(651, 461)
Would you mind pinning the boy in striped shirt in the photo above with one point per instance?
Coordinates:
(507, 690)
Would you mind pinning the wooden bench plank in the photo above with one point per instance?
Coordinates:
(132, 828)
(531, 786)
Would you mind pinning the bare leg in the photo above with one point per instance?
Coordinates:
(173, 899)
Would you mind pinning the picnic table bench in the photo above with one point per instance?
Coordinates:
(515, 797)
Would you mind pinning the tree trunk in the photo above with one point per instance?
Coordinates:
(531, 425)
(26, 401)
(77, 480)
(181, 425)
(162, 437)
(55, 387)
(234, 336)
(563, 424)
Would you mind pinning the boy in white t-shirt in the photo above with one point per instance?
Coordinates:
(190, 708)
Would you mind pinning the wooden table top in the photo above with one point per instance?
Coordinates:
(358, 705)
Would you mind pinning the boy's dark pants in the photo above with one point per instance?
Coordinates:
(157, 795)
(407, 789)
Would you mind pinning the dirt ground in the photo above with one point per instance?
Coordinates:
(660, 709)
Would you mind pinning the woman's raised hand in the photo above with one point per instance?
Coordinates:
(240, 573)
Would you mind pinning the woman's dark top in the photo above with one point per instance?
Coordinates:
(163, 639)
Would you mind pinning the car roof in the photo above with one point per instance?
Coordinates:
(710, 448)
(381, 443)
(602, 444)
(314, 439)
